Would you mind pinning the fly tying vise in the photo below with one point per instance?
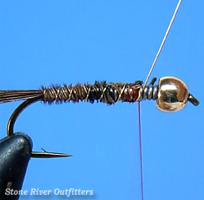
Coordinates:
(171, 95)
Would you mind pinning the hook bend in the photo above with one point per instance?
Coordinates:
(10, 128)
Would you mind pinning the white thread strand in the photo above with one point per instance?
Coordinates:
(161, 46)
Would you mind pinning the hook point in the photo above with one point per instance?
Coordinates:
(46, 154)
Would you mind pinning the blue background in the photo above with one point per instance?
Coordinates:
(56, 42)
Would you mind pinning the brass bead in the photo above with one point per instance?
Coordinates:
(173, 94)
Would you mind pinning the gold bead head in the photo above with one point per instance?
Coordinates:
(173, 95)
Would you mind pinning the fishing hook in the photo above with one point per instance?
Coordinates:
(10, 128)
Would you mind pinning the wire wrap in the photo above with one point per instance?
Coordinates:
(101, 92)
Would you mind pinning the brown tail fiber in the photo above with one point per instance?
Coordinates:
(15, 95)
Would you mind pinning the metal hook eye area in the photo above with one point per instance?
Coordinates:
(10, 128)
(193, 100)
